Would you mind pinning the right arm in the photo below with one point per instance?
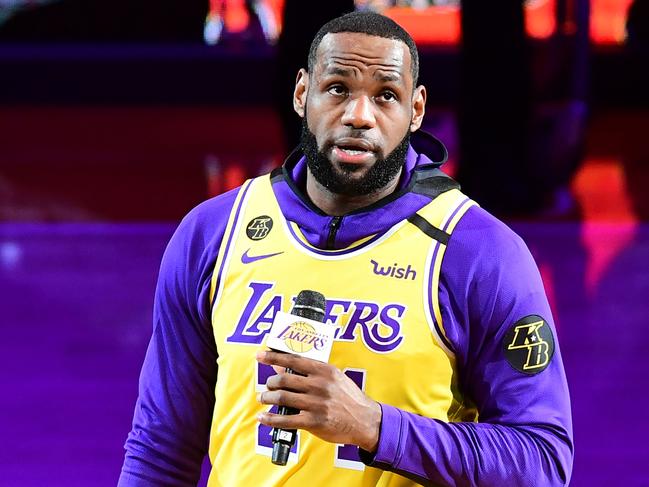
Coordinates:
(173, 413)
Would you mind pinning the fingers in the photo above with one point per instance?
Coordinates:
(286, 398)
(294, 421)
(299, 364)
(291, 382)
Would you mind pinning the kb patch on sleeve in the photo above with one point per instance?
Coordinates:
(529, 345)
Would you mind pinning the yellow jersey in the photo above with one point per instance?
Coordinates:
(382, 297)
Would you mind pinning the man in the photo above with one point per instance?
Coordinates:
(445, 369)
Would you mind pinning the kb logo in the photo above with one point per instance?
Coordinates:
(258, 228)
(529, 345)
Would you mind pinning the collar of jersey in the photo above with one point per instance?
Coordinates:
(365, 243)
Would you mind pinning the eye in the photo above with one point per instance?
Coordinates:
(337, 90)
(388, 96)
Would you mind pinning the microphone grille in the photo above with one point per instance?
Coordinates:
(310, 301)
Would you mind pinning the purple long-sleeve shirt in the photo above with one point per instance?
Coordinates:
(488, 282)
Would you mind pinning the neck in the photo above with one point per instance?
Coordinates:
(335, 204)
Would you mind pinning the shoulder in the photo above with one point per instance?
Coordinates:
(483, 249)
(489, 278)
(189, 258)
(484, 240)
(207, 220)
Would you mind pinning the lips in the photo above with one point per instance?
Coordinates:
(351, 144)
(352, 151)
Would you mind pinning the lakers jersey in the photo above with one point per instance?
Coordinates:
(382, 297)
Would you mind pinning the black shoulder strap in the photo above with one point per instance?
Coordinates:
(432, 231)
(433, 182)
(277, 174)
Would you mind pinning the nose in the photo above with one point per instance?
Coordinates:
(359, 113)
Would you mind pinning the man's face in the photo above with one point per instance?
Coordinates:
(358, 108)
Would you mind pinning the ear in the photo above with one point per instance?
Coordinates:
(300, 92)
(418, 107)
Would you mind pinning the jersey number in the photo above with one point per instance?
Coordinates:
(346, 455)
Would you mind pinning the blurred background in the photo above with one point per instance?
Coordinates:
(117, 117)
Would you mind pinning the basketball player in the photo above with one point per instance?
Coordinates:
(445, 370)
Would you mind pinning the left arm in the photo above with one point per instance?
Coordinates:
(426, 450)
(524, 433)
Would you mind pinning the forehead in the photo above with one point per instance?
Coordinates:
(362, 52)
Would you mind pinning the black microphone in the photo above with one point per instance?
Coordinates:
(310, 305)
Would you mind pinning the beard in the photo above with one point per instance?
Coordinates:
(345, 180)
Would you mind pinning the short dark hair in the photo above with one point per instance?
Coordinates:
(369, 23)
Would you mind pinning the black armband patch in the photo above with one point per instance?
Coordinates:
(529, 345)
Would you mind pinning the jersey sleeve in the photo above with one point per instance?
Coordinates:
(171, 423)
(497, 317)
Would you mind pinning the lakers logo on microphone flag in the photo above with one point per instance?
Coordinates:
(301, 336)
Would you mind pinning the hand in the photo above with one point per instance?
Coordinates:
(331, 406)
